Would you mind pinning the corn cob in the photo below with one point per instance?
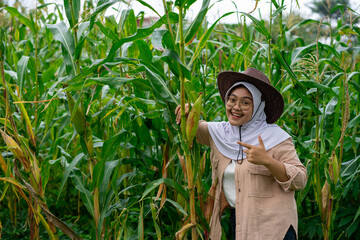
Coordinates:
(192, 121)
(79, 121)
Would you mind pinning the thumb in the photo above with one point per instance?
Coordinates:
(261, 143)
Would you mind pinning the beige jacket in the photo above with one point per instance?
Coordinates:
(265, 207)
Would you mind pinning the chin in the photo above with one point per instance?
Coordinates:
(234, 123)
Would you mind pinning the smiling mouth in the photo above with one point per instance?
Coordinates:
(236, 115)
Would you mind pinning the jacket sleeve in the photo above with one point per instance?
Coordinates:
(202, 134)
(285, 152)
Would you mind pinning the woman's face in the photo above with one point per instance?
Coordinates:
(239, 106)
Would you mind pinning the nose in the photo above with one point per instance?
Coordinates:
(237, 107)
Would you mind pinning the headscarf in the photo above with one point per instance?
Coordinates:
(225, 135)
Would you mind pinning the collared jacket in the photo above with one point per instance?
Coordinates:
(265, 208)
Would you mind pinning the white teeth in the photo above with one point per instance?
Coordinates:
(236, 115)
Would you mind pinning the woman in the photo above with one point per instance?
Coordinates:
(254, 161)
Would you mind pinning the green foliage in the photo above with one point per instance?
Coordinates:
(89, 101)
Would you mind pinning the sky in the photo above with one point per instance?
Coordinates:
(219, 8)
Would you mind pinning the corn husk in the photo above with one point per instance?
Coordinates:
(192, 121)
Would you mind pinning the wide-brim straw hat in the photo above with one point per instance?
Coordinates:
(274, 102)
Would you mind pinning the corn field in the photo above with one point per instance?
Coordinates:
(90, 148)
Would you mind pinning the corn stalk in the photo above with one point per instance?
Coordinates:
(189, 169)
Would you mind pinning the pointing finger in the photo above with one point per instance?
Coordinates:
(261, 143)
(245, 144)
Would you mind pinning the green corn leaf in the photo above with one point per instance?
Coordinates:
(149, 6)
(298, 86)
(278, 11)
(350, 167)
(352, 81)
(101, 6)
(3, 35)
(145, 52)
(105, 182)
(68, 170)
(57, 8)
(25, 116)
(184, 3)
(275, 3)
(49, 73)
(159, 86)
(50, 115)
(196, 23)
(123, 18)
(86, 195)
(83, 31)
(140, 34)
(312, 84)
(33, 75)
(162, 39)
(172, 58)
(354, 122)
(169, 182)
(306, 22)
(72, 9)
(112, 143)
(330, 49)
(61, 33)
(116, 181)
(177, 206)
(22, 67)
(108, 32)
(130, 24)
(259, 26)
(82, 36)
(97, 173)
(157, 39)
(154, 217)
(300, 52)
(28, 22)
(331, 63)
(355, 218)
(113, 82)
(205, 38)
(337, 119)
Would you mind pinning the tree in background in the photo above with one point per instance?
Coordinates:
(334, 9)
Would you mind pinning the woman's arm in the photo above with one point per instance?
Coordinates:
(285, 165)
(257, 155)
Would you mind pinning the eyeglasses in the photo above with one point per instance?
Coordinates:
(244, 104)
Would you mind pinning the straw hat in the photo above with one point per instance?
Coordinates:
(274, 102)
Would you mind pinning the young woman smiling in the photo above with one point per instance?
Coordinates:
(254, 162)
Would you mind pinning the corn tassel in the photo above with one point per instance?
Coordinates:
(335, 169)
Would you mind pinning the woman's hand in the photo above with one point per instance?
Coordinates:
(257, 155)
(178, 112)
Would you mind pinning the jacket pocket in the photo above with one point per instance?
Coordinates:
(260, 182)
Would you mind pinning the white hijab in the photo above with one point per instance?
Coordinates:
(225, 135)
